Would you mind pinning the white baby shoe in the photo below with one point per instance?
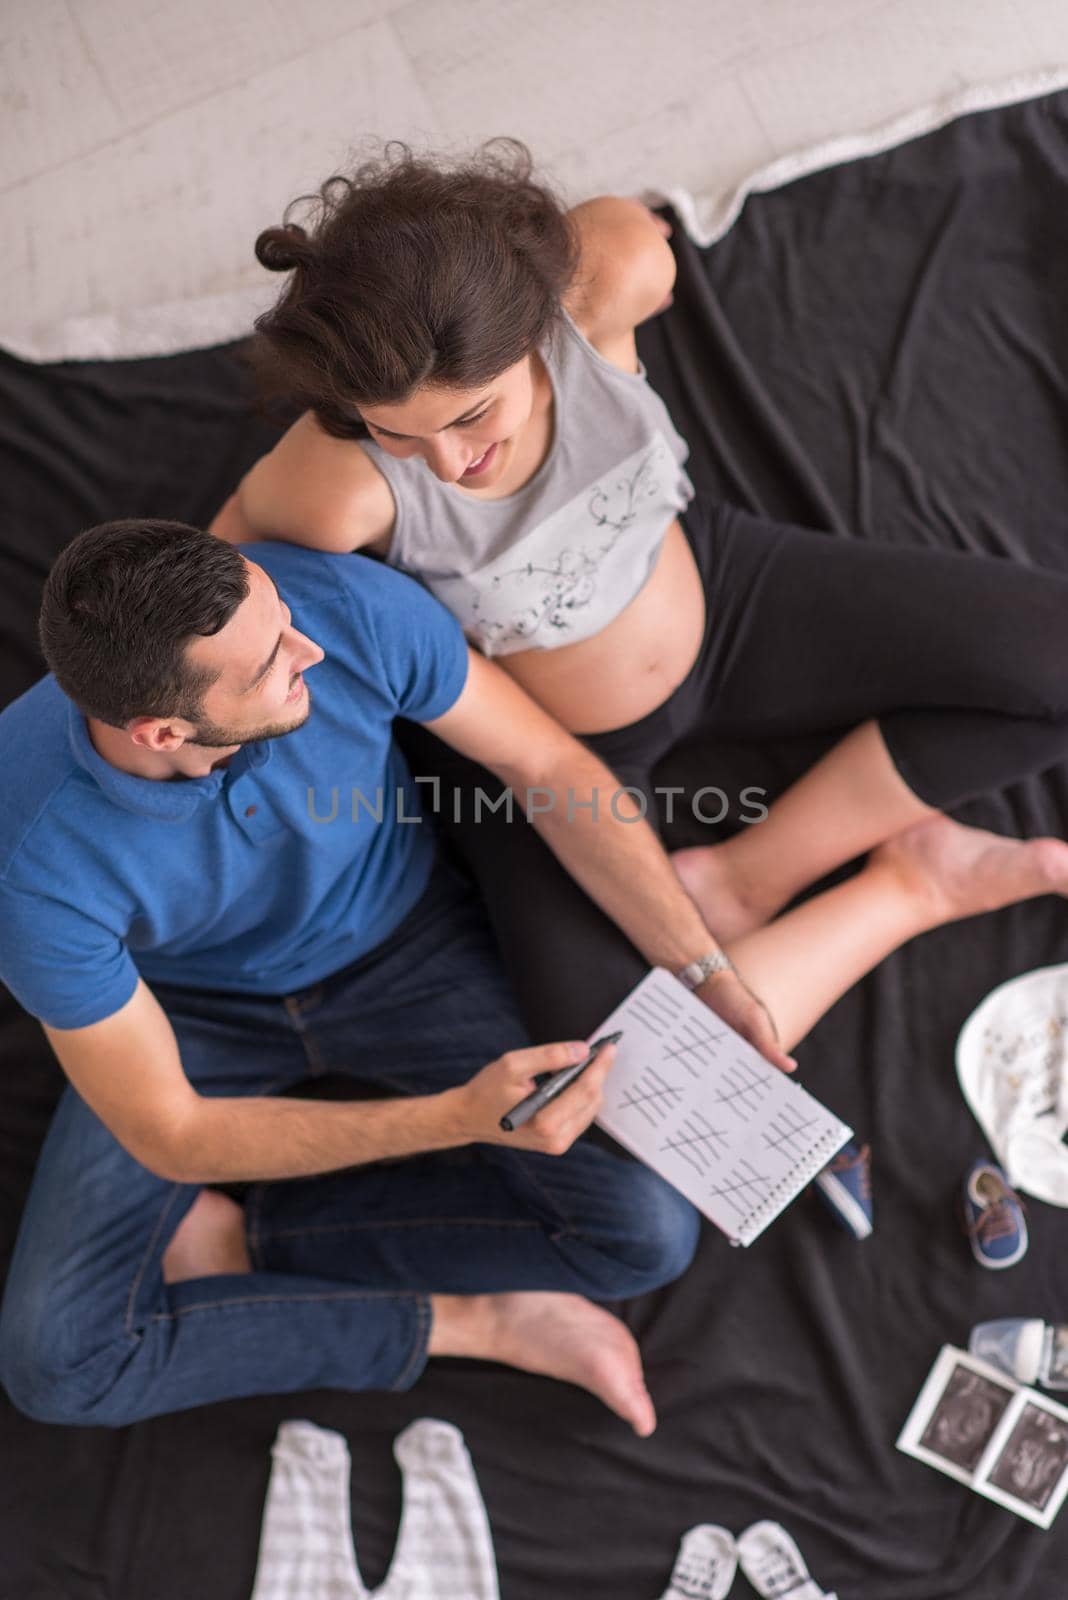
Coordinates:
(705, 1565)
(775, 1566)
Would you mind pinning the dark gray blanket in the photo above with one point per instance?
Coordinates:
(880, 351)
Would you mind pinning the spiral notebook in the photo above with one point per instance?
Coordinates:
(697, 1103)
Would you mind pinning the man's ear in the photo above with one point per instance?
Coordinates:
(163, 735)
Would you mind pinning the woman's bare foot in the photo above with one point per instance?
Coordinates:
(209, 1241)
(730, 908)
(556, 1335)
(960, 872)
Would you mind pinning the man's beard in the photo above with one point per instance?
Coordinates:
(212, 736)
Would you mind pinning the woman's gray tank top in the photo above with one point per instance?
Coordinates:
(557, 560)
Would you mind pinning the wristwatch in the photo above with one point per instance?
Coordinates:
(695, 974)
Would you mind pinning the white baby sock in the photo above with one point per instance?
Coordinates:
(705, 1565)
(775, 1566)
(444, 1548)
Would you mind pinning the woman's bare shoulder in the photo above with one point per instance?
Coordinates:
(320, 491)
(625, 273)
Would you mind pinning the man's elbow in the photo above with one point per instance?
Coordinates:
(553, 765)
(171, 1150)
(566, 782)
(170, 1162)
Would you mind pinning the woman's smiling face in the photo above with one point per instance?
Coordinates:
(464, 436)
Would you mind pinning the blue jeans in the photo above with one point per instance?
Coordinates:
(343, 1264)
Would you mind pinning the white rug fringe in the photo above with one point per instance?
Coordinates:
(159, 330)
(213, 319)
(707, 218)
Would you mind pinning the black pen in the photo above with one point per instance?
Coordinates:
(555, 1083)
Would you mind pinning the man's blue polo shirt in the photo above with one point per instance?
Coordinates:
(255, 878)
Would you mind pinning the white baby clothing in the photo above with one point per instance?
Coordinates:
(705, 1565)
(444, 1547)
(1012, 1062)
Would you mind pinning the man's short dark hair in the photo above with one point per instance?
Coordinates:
(120, 605)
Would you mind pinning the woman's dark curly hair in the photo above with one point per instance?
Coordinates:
(412, 272)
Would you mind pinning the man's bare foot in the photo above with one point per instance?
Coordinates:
(556, 1335)
(729, 907)
(960, 871)
(210, 1240)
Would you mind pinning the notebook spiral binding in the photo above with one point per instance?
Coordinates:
(788, 1188)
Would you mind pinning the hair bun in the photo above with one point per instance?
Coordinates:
(282, 249)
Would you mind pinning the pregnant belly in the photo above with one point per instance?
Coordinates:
(632, 665)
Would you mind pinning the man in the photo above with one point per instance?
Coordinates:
(194, 937)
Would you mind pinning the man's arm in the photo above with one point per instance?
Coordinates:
(128, 1070)
(616, 857)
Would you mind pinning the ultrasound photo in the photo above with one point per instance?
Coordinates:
(965, 1417)
(1058, 1365)
(1033, 1458)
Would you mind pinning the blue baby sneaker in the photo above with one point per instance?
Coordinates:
(845, 1187)
(993, 1217)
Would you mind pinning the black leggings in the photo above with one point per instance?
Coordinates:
(962, 658)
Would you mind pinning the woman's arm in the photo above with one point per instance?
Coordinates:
(312, 490)
(230, 523)
(625, 275)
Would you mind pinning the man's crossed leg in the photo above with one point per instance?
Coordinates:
(131, 1296)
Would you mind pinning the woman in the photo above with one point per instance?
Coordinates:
(476, 414)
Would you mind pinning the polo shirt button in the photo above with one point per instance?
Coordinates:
(250, 811)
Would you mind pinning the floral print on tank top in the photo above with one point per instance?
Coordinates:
(539, 600)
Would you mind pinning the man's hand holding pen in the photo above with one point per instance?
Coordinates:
(478, 1106)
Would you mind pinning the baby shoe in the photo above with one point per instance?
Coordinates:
(705, 1565)
(775, 1566)
(845, 1186)
(993, 1217)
